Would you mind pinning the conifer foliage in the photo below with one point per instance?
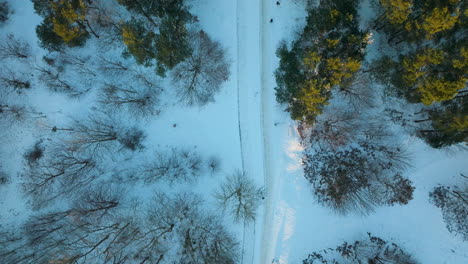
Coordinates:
(326, 55)
(431, 64)
(65, 22)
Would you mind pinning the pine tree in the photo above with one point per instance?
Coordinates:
(313, 97)
(172, 44)
(437, 90)
(397, 11)
(430, 75)
(448, 124)
(326, 55)
(139, 41)
(437, 20)
(68, 22)
(418, 65)
(418, 20)
(65, 22)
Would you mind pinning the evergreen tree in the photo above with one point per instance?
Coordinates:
(172, 44)
(48, 38)
(396, 11)
(448, 124)
(139, 41)
(419, 20)
(326, 55)
(169, 18)
(65, 21)
(154, 10)
(427, 75)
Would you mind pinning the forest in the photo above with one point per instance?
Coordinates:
(103, 105)
(81, 176)
(354, 106)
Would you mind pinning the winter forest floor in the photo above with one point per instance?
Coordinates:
(249, 131)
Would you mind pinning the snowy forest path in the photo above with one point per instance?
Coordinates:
(267, 104)
(252, 104)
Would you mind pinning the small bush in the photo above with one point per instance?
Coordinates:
(34, 154)
(4, 178)
(132, 139)
(214, 164)
(4, 12)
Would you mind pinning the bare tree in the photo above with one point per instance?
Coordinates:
(240, 196)
(98, 228)
(174, 166)
(140, 102)
(92, 230)
(336, 127)
(77, 63)
(14, 80)
(201, 236)
(358, 178)
(340, 126)
(453, 201)
(62, 172)
(98, 201)
(371, 250)
(15, 113)
(100, 133)
(14, 48)
(113, 66)
(201, 75)
(214, 164)
(56, 81)
(95, 134)
(358, 91)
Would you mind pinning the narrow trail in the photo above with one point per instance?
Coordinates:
(266, 119)
(255, 107)
(238, 86)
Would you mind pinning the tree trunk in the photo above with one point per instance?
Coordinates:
(429, 131)
(422, 120)
(91, 29)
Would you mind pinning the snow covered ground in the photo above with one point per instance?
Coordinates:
(249, 131)
(295, 225)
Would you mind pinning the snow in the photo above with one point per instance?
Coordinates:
(248, 130)
(295, 225)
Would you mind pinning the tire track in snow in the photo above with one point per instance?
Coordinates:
(241, 143)
(250, 66)
(268, 214)
(238, 87)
